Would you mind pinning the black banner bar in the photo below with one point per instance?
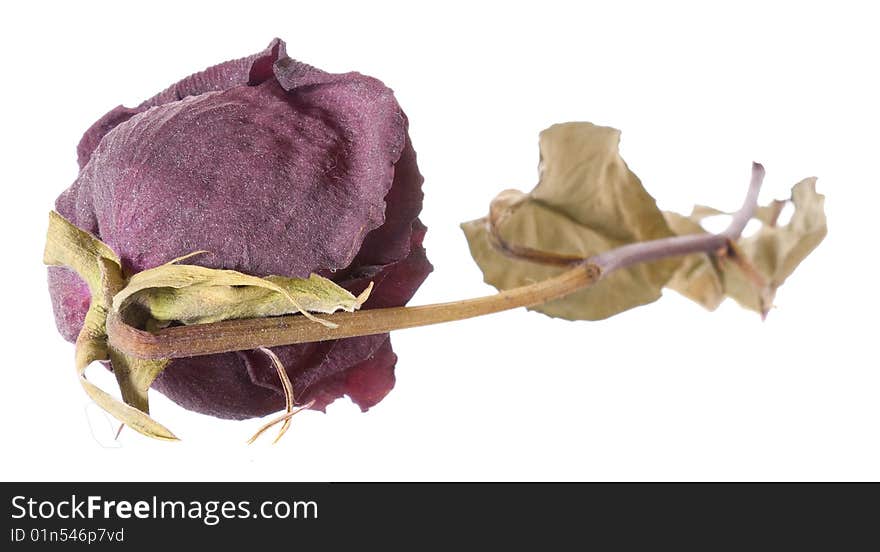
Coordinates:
(419, 515)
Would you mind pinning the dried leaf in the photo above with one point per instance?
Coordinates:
(697, 277)
(587, 202)
(775, 251)
(767, 214)
(754, 267)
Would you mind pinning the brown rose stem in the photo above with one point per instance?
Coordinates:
(253, 333)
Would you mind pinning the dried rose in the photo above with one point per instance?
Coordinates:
(275, 168)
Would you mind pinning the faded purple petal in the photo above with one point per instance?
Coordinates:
(366, 383)
(97, 131)
(252, 70)
(238, 172)
(395, 283)
(70, 301)
(391, 241)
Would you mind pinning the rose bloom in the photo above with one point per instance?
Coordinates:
(274, 167)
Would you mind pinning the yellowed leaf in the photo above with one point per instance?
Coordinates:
(587, 202)
(697, 277)
(754, 268)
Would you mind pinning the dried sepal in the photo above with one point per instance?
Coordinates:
(99, 267)
(78, 250)
(193, 294)
(170, 292)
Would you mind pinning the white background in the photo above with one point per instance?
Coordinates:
(665, 392)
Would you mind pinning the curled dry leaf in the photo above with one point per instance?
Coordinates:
(586, 202)
(751, 270)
